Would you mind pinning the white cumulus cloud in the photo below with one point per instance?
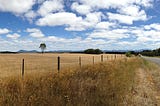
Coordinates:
(50, 6)
(126, 19)
(104, 25)
(106, 4)
(36, 33)
(81, 9)
(13, 36)
(4, 31)
(57, 19)
(155, 26)
(70, 20)
(16, 6)
(30, 14)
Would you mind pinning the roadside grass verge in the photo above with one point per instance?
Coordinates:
(102, 84)
(155, 73)
(154, 70)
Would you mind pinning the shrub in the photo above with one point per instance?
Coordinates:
(128, 54)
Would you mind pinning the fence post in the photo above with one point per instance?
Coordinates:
(58, 63)
(101, 58)
(115, 56)
(22, 68)
(93, 59)
(80, 62)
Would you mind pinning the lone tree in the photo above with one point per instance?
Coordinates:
(43, 47)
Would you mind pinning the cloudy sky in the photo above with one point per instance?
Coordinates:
(79, 24)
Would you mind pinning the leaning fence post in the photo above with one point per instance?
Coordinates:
(58, 63)
(101, 58)
(22, 68)
(80, 62)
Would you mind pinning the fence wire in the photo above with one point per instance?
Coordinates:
(11, 64)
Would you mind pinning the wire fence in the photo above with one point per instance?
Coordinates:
(21, 64)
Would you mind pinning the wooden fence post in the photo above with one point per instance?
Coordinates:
(22, 68)
(80, 62)
(58, 63)
(93, 59)
(115, 56)
(101, 58)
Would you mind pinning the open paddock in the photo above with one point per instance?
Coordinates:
(11, 64)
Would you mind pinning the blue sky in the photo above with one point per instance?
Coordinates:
(79, 24)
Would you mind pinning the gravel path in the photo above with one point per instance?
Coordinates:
(153, 59)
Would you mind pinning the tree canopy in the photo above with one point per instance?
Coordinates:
(155, 52)
(43, 47)
(93, 51)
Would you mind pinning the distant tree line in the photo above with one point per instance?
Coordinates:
(155, 52)
(93, 51)
(114, 52)
(98, 51)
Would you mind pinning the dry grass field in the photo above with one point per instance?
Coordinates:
(91, 85)
(114, 82)
(11, 64)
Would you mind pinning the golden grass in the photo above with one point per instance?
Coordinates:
(10, 64)
(155, 78)
(102, 84)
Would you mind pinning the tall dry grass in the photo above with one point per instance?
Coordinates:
(102, 84)
(155, 78)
